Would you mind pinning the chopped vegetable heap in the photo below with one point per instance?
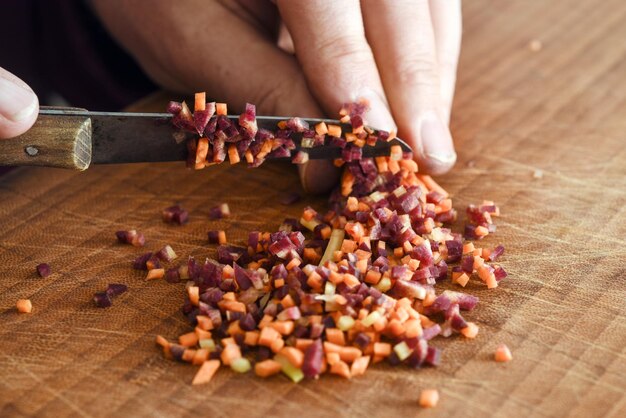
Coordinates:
(330, 292)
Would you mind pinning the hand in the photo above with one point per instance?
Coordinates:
(400, 55)
(18, 106)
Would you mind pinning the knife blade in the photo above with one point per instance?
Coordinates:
(122, 137)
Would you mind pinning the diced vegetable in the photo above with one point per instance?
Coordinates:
(24, 306)
(503, 354)
(331, 292)
(429, 398)
(43, 270)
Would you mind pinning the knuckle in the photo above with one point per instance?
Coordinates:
(353, 49)
(418, 70)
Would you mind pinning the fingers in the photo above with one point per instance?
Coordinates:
(337, 61)
(402, 38)
(230, 59)
(447, 26)
(18, 106)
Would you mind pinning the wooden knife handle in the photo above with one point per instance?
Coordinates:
(53, 141)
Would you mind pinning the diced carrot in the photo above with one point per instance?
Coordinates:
(413, 328)
(155, 274)
(395, 327)
(382, 349)
(485, 254)
(350, 137)
(202, 334)
(468, 247)
(359, 366)
(229, 353)
(491, 281)
(189, 339)
(381, 163)
(429, 398)
(444, 206)
(295, 356)
(340, 368)
(202, 151)
(234, 329)
(393, 165)
(221, 237)
(199, 102)
(194, 295)
(303, 343)
(202, 355)
(373, 277)
(228, 341)
(221, 108)
(331, 348)
(233, 154)
(321, 128)
(334, 130)
(268, 336)
(287, 301)
(293, 263)
(251, 337)
(432, 185)
(335, 336)
(188, 355)
(350, 280)
(204, 322)
(24, 306)
(160, 340)
(267, 368)
(470, 331)
(283, 327)
(349, 354)
(205, 372)
(332, 358)
(462, 280)
(503, 354)
(278, 283)
(408, 165)
(481, 231)
(249, 156)
(233, 306)
(277, 345)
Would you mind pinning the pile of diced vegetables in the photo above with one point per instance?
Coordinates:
(331, 292)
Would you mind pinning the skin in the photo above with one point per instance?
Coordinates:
(307, 58)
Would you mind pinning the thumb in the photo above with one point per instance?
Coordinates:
(18, 106)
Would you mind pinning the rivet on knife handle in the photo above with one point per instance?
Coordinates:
(54, 140)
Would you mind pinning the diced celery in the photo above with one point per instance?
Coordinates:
(207, 343)
(345, 323)
(289, 369)
(371, 319)
(241, 365)
(402, 350)
(384, 284)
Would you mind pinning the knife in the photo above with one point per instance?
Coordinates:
(76, 138)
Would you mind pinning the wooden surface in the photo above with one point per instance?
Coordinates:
(53, 141)
(562, 311)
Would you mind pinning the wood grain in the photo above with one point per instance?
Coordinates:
(62, 142)
(562, 311)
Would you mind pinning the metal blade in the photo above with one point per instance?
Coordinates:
(150, 137)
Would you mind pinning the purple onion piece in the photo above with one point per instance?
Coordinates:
(102, 299)
(115, 289)
(43, 270)
(313, 358)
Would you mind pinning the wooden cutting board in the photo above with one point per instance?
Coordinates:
(559, 111)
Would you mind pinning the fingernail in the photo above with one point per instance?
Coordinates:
(437, 143)
(379, 115)
(16, 102)
(318, 176)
